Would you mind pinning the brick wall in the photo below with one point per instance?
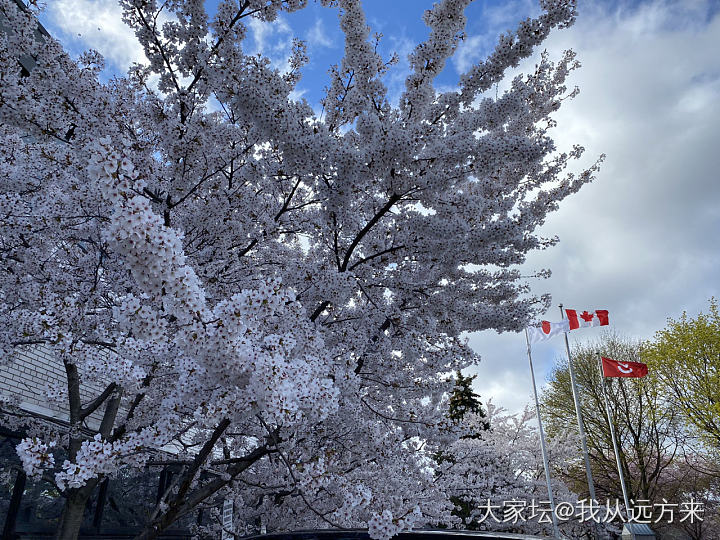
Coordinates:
(27, 375)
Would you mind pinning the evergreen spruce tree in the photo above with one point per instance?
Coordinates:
(464, 400)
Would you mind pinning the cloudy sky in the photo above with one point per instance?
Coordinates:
(643, 240)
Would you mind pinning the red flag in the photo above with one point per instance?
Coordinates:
(614, 368)
(599, 317)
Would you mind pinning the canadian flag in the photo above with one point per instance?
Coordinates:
(546, 330)
(615, 368)
(599, 317)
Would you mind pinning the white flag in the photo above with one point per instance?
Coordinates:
(546, 330)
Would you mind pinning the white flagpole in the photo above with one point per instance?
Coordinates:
(581, 426)
(614, 441)
(542, 440)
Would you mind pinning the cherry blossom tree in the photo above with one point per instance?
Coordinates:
(271, 298)
(497, 476)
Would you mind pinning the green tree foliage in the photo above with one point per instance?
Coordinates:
(648, 430)
(464, 400)
(685, 357)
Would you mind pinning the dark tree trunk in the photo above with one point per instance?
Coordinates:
(100, 504)
(77, 498)
(73, 511)
(14, 508)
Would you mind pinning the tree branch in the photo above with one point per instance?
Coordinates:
(370, 224)
(200, 459)
(93, 405)
(378, 254)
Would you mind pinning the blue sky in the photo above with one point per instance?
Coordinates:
(643, 240)
(95, 23)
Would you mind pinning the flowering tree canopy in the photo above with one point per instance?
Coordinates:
(496, 476)
(274, 298)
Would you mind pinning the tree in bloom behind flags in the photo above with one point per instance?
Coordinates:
(546, 330)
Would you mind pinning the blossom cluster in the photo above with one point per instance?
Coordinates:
(383, 526)
(98, 457)
(153, 251)
(94, 457)
(35, 455)
(108, 366)
(142, 321)
(356, 497)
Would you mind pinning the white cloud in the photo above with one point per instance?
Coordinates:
(642, 240)
(499, 17)
(317, 36)
(95, 24)
(504, 15)
(471, 50)
(272, 40)
(297, 94)
(395, 77)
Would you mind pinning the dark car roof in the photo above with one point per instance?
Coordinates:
(362, 534)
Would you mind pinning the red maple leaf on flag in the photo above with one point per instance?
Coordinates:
(587, 318)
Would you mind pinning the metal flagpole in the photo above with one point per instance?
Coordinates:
(542, 439)
(614, 441)
(581, 426)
